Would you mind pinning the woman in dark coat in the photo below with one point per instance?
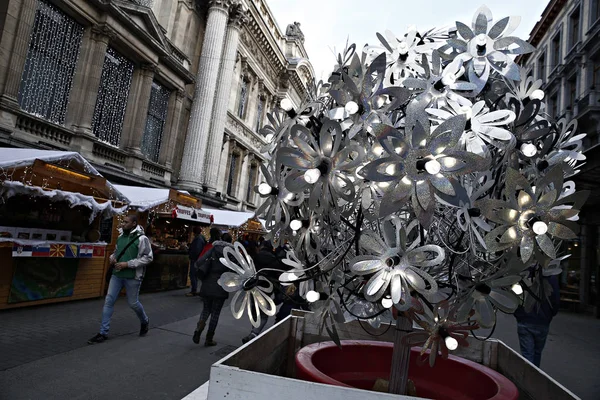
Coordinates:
(213, 295)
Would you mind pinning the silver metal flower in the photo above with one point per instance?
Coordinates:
(252, 291)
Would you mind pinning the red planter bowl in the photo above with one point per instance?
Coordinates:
(359, 363)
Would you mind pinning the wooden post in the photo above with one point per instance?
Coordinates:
(400, 357)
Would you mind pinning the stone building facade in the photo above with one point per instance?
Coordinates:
(163, 93)
(567, 59)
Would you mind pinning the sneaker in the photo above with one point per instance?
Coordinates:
(209, 342)
(198, 331)
(144, 327)
(190, 294)
(99, 338)
(249, 338)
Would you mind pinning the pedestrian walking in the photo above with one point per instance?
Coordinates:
(210, 270)
(194, 252)
(533, 326)
(129, 260)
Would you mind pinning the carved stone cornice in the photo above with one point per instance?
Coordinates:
(149, 69)
(220, 5)
(180, 95)
(103, 33)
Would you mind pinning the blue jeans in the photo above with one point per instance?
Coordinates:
(532, 338)
(132, 288)
(193, 277)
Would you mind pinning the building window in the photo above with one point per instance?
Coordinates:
(553, 106)
(50, 64)
(251, 182)
(243, 97)
(572, 94)
(259, 113)
(555, 51)
(232, 173)
(155, 121)
(574, 28)
(595, 11)
(596, 74)
(109, 112)
(541, 67)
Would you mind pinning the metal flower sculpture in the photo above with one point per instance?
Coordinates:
(423, 178)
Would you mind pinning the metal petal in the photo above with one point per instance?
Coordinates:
(527, 246)
(396, 288)
(365, 266)
(264, 302)
(238, 304)
(464, 31)
(504, 300)
(546, 245)
(561, 231)
(485, 313)
(230, 282)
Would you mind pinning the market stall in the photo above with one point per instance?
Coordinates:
(239, 224)
(54, 236)
(169, 217)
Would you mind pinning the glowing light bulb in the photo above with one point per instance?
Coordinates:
(537, 94)
(264, 189)
(433, 167)
(517, 289)
(387, 302)
(481, 39)
(269, 137)
(351, 107)
(540, 227)
(312, 175)
(296, 224)
(402, 48)
(451, 343)
(390, 169)
(528, 149)
(286, 104)
(312, 296)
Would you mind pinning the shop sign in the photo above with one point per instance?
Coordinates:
(192, 214)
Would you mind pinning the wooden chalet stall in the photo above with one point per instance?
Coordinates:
(169, 217)
(51, 211)
(239, 224)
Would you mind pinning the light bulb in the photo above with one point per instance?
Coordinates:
(537, 94)
(351, 107)
(540, 227)
(312, 296)
(264, 189)
(296, 224)
(481, 39)
(433, 167)
(402, 48)
(517, 289)
(387, 302)
(390, 169)
(528, 149)
(451, 343)
(286, 104)
(312, 175)
(269, 137)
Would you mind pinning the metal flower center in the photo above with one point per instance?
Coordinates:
(324, 166)
(483, 288)
(250, 283)
(474, 212)
(393, 261)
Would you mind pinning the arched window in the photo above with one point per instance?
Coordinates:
(155, 121)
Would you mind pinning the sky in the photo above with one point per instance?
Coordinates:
(328, 23)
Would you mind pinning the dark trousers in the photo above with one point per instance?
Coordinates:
(212, 307)
(532, 339)
(193, 278)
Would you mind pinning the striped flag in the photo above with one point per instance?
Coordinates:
(22, 251)
(86, 251)
(41, 251)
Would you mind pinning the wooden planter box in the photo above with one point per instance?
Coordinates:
(265, 368)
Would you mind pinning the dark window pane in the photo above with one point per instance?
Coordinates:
(155, 121)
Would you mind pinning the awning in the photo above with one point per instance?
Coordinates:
(231, 219)
(144, 198)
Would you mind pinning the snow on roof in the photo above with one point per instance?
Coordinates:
(230, 218)
(10, 158)
(144, 198)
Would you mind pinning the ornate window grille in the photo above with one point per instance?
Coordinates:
(259, 113)
(232, 173)
(251, 180)
(155, 121)
(50, 65)
(243, 97)
(109, 112)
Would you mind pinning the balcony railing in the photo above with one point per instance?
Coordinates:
(44, 130)
(153, 169)
(109, 153)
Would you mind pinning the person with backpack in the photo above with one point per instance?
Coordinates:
(210, 270)
(194, 252)
(129, 260)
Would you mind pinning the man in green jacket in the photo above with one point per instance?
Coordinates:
(132, 254)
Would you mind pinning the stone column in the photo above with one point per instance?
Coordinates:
(14, 45)
(87, 79)
(237, 18)
(167, 150)
(137, 108)
(190, 176)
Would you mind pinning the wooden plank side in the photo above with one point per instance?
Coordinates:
(232, 383)
(532, 382)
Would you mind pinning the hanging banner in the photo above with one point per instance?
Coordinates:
(191, 214)
(59, 250)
